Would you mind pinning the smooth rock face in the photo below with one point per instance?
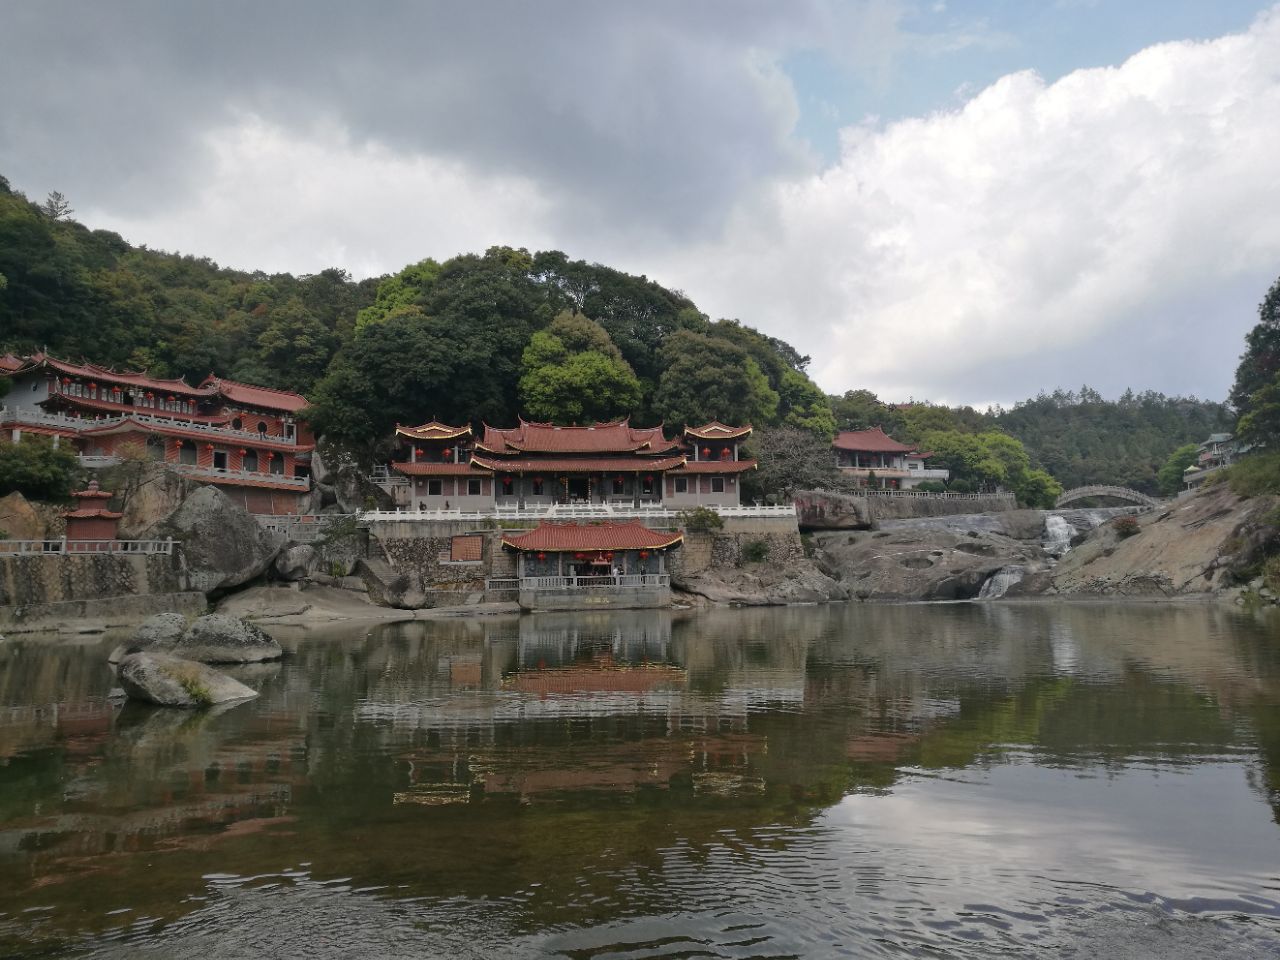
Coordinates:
(763, 585)
(296, 562)
(222, 546)
(924, 563)
(173, 682)
(216, 638)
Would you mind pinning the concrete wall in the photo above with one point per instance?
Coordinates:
(113, 612)
(591, 598)
(56, 578)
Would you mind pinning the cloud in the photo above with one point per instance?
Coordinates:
(1038, 230)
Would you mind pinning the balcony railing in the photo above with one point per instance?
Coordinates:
(40, 418)
(654, 513)
(75, 547)
(231, 476)
(626, 581)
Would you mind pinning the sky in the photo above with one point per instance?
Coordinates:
(965, 202)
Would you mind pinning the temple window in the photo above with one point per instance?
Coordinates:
(473, 487)
(277, 464)
(682, 485)
(537, 486)
(262, 428)
(619, 485)
(237, 424)
(717, 484)
(435, 488)
(646, 486)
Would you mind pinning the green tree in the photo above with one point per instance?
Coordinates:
(1261, 360)
(404, 289)
(707, 378)
(1170, 476)
(585, 388)
(790, 459)
(37, 469)
(801, 404)
(295, 348)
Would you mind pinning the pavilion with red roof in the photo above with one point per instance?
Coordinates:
(535, 465)
(873, 457)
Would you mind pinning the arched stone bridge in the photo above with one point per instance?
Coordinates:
(1105, 490)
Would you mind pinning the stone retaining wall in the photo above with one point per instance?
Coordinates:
(55, 578)
(78, 615)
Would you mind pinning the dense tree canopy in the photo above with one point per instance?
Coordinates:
(1256, 392)
(37, 469)
(573, 374)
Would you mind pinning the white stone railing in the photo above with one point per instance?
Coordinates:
(42, 419)
(93, 462)
(934, 496)
(65, 546)
(657, 513)
(626, 581)
(302, 483)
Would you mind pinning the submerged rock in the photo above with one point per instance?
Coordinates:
(217, 638)
(169, 681)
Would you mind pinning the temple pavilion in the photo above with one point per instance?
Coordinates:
(536, 465)
(874, 457)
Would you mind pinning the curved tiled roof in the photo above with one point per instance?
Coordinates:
(566, 537)
(715, 430)
(618, 437)
(716, 466)
(586, 464)
(874, 440)
(422, 469)
(93, 372)
(266, 398)
(130, 425)
(433, 430)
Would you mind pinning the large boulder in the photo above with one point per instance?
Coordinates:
(823, 510)
(147, 491)
(217, 638)
(222, 545)
(158, 633)
(20, 519)
(169, 681)
(296, 562)
(923, 563)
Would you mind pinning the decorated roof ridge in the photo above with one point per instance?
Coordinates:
(438, 430)
(420, 469)
(239, 392)
(715, 430)
(873, 440)
(590, 464)
(87, 369)
(91, 492)
(567, 537)
(10, 361)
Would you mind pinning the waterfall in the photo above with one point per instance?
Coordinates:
(998, 583)
(1057, 535)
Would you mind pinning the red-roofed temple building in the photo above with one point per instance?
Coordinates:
(874, 456)
(246, 440)
(536, 465)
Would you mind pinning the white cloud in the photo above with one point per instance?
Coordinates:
(277, 201)
(941, 253)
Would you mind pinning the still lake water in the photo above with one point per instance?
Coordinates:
(868, 781)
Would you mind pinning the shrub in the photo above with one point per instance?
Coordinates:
(755, 551)
(931, 486)
(961, 486)
(1126, 526)
(700, 520)
(1255, 475)
(37, 469)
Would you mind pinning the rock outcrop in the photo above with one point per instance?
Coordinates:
(823, 510)
(928, 563)
(296, 562)
(1206, 543)
(389, 587)
(762, 584)
(222, 546)
(170, 681)
(217, 638)
(146, 492)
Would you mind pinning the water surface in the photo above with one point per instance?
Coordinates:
(932, 781)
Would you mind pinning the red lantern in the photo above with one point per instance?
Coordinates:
(619, 478)
(579, 556)
(66, 381)
(169, 397)
(150, 395)
(537, 479)
(208, 446)
(648, 478)
(609, 555)
(706, 451)
(93, 386)
(243, 451)
(115, 389)
(271, 455)
(542, 556)
(644, 554)
(421, 452)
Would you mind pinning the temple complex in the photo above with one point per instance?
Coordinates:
(244, 439)
(538, 465)
(874, 458)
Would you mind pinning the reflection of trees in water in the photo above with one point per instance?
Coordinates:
(762, 716)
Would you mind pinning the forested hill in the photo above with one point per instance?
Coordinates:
(477, 337)
(1081, 438)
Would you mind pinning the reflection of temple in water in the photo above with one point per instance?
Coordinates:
(587, 702)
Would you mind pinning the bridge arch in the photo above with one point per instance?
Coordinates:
(1105, 490)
